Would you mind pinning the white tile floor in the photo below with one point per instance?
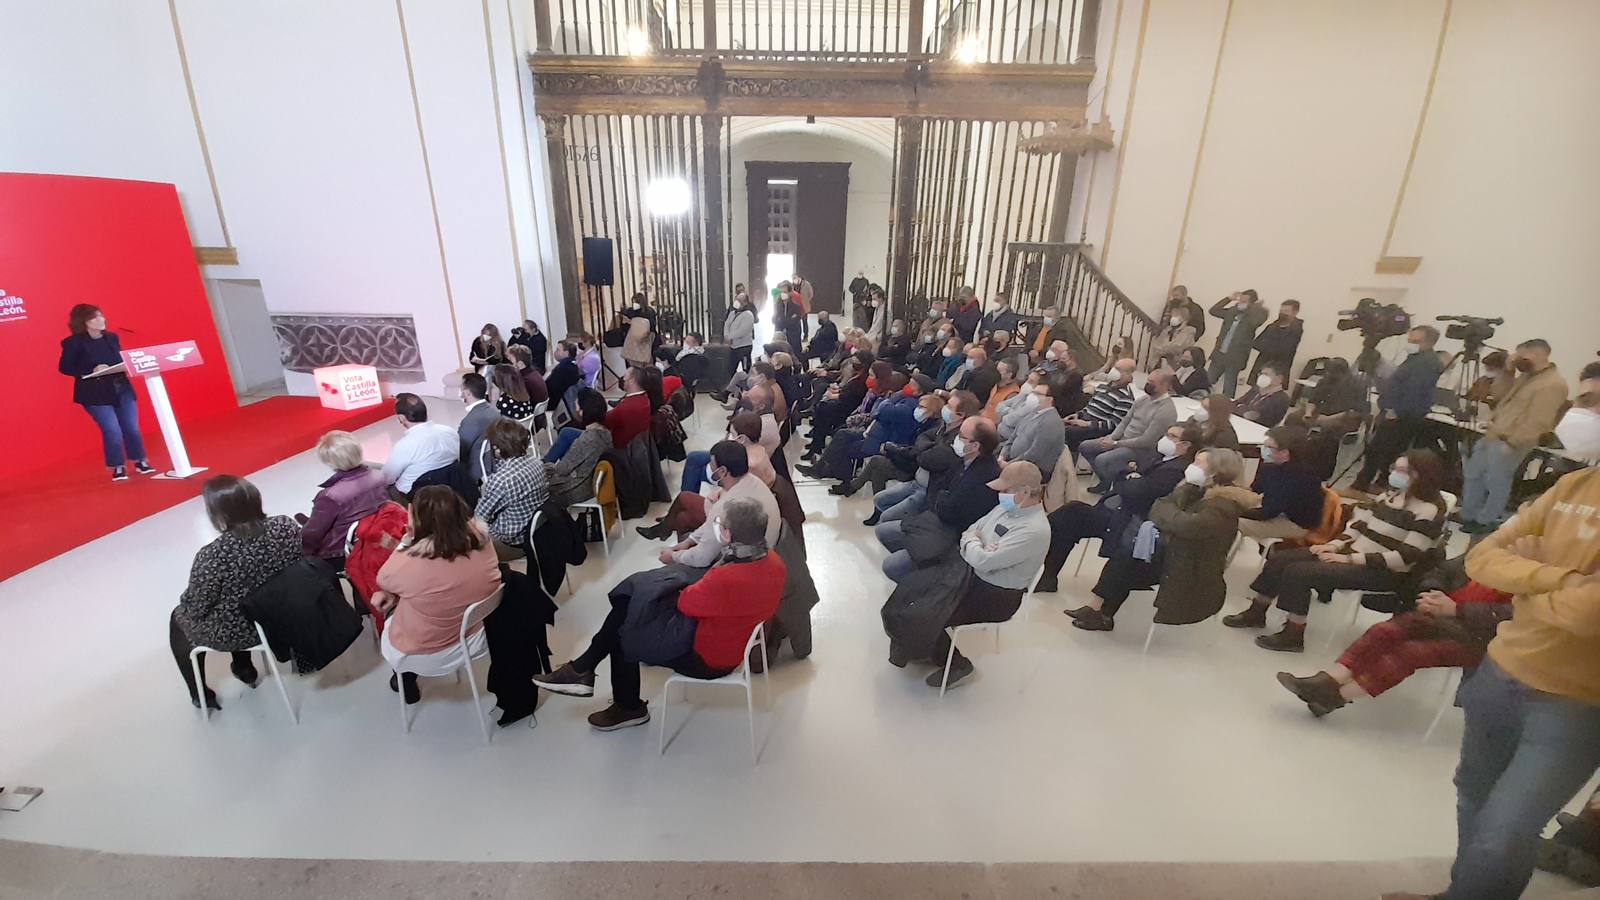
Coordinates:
(1066, 745)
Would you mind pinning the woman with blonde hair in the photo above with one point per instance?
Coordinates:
(353, 493)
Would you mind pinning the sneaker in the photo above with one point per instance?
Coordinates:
(144, 468)
(119, 474)
(614, 717)
(1093, 620)
(960, 668)
(567, 680)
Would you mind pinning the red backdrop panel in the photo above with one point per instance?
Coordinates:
(123, 246)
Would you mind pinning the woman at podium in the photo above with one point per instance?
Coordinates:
(109, 398)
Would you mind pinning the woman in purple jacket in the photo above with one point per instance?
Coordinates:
(353, 493)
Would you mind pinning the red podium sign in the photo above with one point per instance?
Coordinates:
(162, 358)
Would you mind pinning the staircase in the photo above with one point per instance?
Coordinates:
(1041, 275)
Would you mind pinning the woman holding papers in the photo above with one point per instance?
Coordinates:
(108, 398)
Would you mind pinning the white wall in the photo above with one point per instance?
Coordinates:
(868, 204)
(312, 125)
(1312, 119)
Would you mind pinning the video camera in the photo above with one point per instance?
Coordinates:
(1470, 330)
(1375, 320)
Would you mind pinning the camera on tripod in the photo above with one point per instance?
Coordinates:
(1470, 330)
(1375, 320)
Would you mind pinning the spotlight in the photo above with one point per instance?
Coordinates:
(667, 197)
(637, 42)
(969, 50)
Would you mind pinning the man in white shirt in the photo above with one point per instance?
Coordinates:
(424, 447)
(729, 469)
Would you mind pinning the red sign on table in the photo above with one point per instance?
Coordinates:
(161, 358)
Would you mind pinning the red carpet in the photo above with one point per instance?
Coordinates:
(75, 502)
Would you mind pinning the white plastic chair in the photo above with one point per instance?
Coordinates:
(471, 616)
(739, 677)
(954, 630)
(266, 653)
(594, 504)
(541, 414)
(1447, 696)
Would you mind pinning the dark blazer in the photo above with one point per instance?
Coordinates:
(1237, 351)
(565, 374)
(896, 349)
(79, 355)
(474, 425)
(1279, 342)
(970, 498)
(1198, 380)
(965, 318)
(980, 381)
(824, 341)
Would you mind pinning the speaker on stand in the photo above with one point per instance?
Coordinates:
(599, 271)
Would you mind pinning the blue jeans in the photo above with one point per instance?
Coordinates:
(119, 428)
(563, 443)
(895, 503)
(694, 470)
(1107, 463)
(1524, 753)
(1486, 477)
(897, 564)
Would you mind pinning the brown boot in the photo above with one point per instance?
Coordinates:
(1254, 617)
(1291, 639)
(1320, 692)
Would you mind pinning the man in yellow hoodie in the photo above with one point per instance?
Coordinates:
(1527, 402)
(1532, 737)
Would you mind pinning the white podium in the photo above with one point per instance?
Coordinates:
(148, 363)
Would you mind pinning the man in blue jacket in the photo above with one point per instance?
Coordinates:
(1403, 405)
(893, 419)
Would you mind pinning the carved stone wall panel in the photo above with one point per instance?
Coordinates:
(388, 343)
(582, 84)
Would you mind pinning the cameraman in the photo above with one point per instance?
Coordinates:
(1404, 401)
(1242, 315)
(1526, 407)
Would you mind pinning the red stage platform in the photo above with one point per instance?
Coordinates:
(75, 501)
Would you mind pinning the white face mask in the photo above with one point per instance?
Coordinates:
(1026, 389)
(1176, 321)
(949, 353)
(1264, 382)
(1034, 400)
(959, 445)
(711, 475)
(1579, 433)
(1195, 475)
(944, 334)
(1412, 349)
(1050, 354)
(1167, 447)
(971, 364)
(920, 414)
(1202, 415)
(1399, 480)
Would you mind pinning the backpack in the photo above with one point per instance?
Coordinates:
(667, 431)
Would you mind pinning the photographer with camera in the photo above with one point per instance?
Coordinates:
(1527, 403)
(1242, 315)
(1404, 401)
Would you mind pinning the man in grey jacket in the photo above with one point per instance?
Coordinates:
(1137, 434)
(1040, 435)
(1242, 315)
(475, 422)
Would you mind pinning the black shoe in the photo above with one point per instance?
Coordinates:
(567, 680)
(211, 700)
(507, 717)
(1290, 639)
(960, 668)
(653, 532)
(872, 520)
(413, 693)
(843, 489)
(810, 470)
(247, 674)
(1100, 487)
(720, 396)
(1093, 620)
(614, 717)
(1254, 617)
(1080, 612)
(119, 474)
(1046, 586)
(144, 468)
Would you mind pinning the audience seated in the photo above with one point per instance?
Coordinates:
(1215, 418)
(958, 495)
(475, 422)
(892, 418)
(745, 428)
(691, 514)
(516, 490)
(1052, 330)
(931, 341)
(1134, 490)
(565, 376)
(934, 456)
(824, 340)
(979, 375)
(425, 447)
(1451, 627)
(1266, 402)
(1190, 378)
(445, 563)
(1175, 336)
(953, 358)
(895, 458)
(1196, 525)
(631, 416)
(1106, 409)
(1148, 419)
(896, 348)
(717, 613)
(839, 401)
(510, 392)
(1291, 492)
(353, 493)
(521, 359)
(571, 460)
(1012, 410)
(1006, 386)
(248, 552)
(1383, 540)
(1038, 434)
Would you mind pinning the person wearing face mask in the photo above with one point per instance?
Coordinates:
(1242, 315)
(825, 339)
(880, 314)
(1000, 317)
(894, 420)
(896, 348)
(1105, 410)
(1057, 357)
(1176, 335)
(1128, 501)
(1404, 401)
(1197, 523)
(1178, 299)
(1526, 408)
(1290, 490)
(1266, 402)
(1006, 386)
(839, 401)
(638, 348)
(950, 370)
(967, 314)
(1010, 411)
(927, 353)
(528, 335)
(931, 460)
(487, 349)
(885, 387)
(739, 330)
(805, 292)
(959, 496)
(1038, 436)
(1578, 432)
(1383, 540)
(1215, 418)
(1138, 432)
(1279, 341)
(1189, 376)
(731, 476)
(741, 590)
(789, 314)
(978, 375)
(1004, 549)
(1050, 330)
(896, 460)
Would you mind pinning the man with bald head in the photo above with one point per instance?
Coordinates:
(956, 499)
(1136, 435)
(979, 375)
(1105, 410)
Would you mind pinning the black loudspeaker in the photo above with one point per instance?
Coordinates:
(597, 261)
